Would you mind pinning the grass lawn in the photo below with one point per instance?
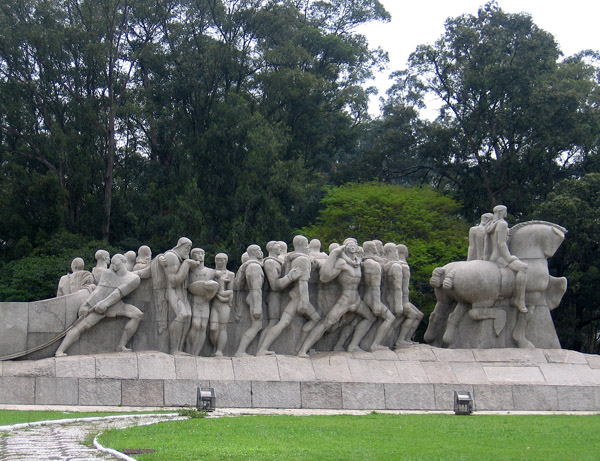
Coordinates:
(374, 436)
(8, 417)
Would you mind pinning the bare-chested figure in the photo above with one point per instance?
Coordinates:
(397, 296)
(143, 262)
(221, 304)
(372, 268)
(479, 244)
(342, 264)
(251, 276)
(107, 301)
(273, 268)
(500, 254)
(300, 266)
(176, 265)
(78, 279)
(203, 287)
(102, 262)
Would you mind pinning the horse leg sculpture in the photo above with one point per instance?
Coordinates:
(520, 329)
(453, 319)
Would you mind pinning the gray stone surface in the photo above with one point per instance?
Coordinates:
(321, 395)
(469, 373)
(588, 376)
(332, 368)
(215, 368)
(592, 360)
(493, 397)
(565, 356)
(49, 315)
(99, 392)
(279, 394)
(514, 375)
(185, 367)
(156, 365)
(44, 367)
(363, 396)
(438, 372)
(255, 368)
(295, 368)
(579, 398)
(419, 353)
(123, 365)
(560, 374)
(444, 395)
(235, 394)
(17, 390)
(13, 328)
(183, 392)
(409, 396)
(75, 367)
(142, 392)
(56, 391)
(535, 398)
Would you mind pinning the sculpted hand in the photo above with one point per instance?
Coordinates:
(256, 312)
(295, 273)
(100, 308)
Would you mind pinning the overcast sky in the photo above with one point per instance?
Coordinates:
(574, 24)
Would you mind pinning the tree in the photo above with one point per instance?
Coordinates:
(512, 120)
(575, 204)
(425, 221)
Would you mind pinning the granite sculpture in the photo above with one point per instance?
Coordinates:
(352, 298)
(501, 300)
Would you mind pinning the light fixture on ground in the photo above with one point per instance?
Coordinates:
(206, 399)
(463, 403)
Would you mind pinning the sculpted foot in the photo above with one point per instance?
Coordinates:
(241, 354)
(402, 344)
(355, 349)
(218, 354)
(379, 347)
(123, 349)
(302, 354)
(60, 354)
(521, 306)
(180, 353)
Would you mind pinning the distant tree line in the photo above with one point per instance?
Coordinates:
(128, 122)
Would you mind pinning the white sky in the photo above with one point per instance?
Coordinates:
(574, 24)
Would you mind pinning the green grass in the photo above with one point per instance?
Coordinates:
(375, 436)
(8, 417)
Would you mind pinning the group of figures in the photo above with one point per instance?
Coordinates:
(369, 285)
(305, 295)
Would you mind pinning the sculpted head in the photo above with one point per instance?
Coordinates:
(379, 246)
(391, 251)
(254, 252)
(333, 246)
(402, 250)
(283, 247)
(77, 265)
(300, 243)
(221, 261)
(370, 248)
(500, 212)
(314, 246)
(486, 218)
(197, 254)
(183, 247)
(245, 257)
(102, 256)
(274, 248)
(118, 262)
(130, 257)
(144, 254)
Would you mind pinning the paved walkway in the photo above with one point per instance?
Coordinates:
(63, 440)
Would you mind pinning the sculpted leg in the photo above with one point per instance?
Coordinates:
(484, 313)
(518, 299)
(520, 329)
(74, 334)
(362, 328)
(383, 331)
(130, 328)
(453, 319)
(273, 334)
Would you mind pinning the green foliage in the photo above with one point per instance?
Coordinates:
(426, 221)
(575, 204)
(193, 413)
(375, 436)
(36, 275)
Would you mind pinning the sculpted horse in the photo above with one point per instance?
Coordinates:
(477, 286)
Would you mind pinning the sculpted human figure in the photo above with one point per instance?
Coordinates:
(317, 257)
(107, 301)
(102, 262)
(130, 257)
(500, 254)
(273, 268)
(176, 264)
(299, 273)
(78, 279)
(343, 265)
(479, 242)
(397, 276)
(221, 304)
(372, 268)
(143, 262)
(283, 250)
(251, 276)
(203, 288)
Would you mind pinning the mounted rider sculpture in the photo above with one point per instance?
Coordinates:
(509, 287)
